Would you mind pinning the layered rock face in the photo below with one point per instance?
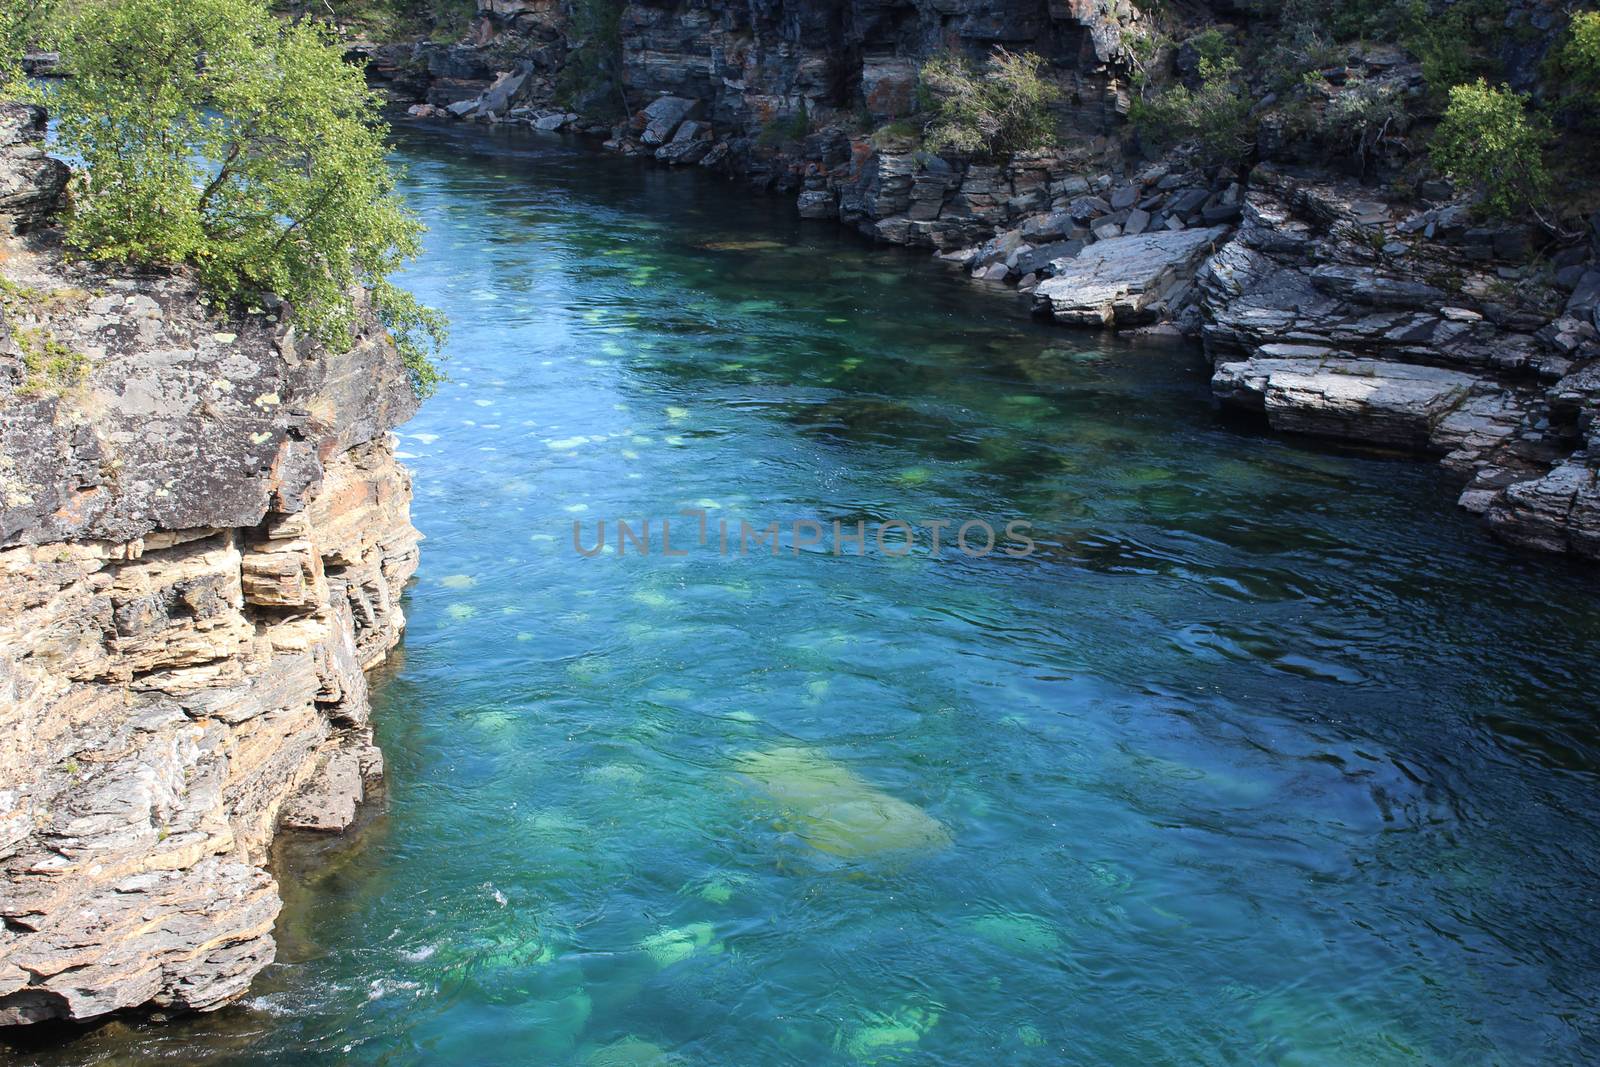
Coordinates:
(203, 540)
(1339, 313)
(746, 65)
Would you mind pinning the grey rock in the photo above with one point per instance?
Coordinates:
(1047, 227)
(1085, 208)
(31, 182)
(1365, 286)
(1186, 201)
(689, 144)
(1377, 402)
(1040, 259)
(818, 204)
(662, 116)
(1117, 282)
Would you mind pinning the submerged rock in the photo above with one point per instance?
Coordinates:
(676, 944)
(1018, 932)
(886, 1035)
(836, 811)
(631, 1052)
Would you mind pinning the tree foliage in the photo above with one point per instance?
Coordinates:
(1577, 63)
(1000, 110)
(216, 135)
(1488, 139)
(20, 22)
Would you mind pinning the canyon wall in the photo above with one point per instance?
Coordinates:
(1336, 292)
(203, 539)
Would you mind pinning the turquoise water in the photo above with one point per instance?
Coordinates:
(1265, 755)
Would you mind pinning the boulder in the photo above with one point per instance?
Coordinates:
(1041, 258)
(662, 116)
(31, 182)
(689, 145)
(818, 204)
(1049, 227)
(497, 99)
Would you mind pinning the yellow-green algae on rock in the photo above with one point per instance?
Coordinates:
(670, 946)
(1017, 932)
(884, 1037)
(631, 1052)
(836, 811)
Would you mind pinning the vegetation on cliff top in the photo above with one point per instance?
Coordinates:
(389, 20)
(1216, 114)
(1333, 74)
(213, 134)
(1001, 109)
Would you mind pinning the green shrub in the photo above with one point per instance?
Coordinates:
(1363, 114)
(1216, 115)
(998, 111)
(1453, 43)
(1577, 63)
(897, 135)
(216, 135)
(1454, 40)
(441, 20)
(1487, 139)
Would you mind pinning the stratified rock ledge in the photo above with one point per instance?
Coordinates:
(203, 539)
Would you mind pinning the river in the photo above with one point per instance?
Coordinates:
(1263, 754)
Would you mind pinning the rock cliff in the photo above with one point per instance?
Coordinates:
(1339, 312)
(203, 539)
(1336, 294)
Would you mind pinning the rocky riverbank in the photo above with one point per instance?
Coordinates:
(203, 539)
(1333, 297)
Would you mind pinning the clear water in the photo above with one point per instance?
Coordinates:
(1266, 756)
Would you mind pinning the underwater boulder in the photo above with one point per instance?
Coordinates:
(836, 811)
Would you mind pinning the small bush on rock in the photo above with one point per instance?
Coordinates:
(1363, 115)
(1488, 139)
(999, 110)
